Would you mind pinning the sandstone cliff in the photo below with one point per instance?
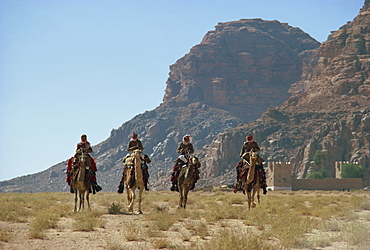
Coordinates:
(330, 111)
(243, 67)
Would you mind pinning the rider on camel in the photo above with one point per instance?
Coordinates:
(84, 147)
(185, 149)
(134, 144)
(248, 146)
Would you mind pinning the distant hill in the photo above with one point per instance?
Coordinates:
(247, 76)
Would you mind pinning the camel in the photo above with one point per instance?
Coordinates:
(79, 182)
(186, 179)
(137, 183)
(251, 184)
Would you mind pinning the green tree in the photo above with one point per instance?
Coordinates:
(319, 159)
(314, 175)
(318, 174)
(352, 170)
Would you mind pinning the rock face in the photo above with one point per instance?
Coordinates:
(330, 111)
(243, 67)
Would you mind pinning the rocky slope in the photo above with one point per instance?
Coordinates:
(330, 111)
(236, 73)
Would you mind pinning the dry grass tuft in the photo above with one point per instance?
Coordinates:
(356, 233)
(228, 239)
(162, 219)
(6, 235)
(114, 208)
(87, 221)
(44, 219)
(134, 231)
(161, 243)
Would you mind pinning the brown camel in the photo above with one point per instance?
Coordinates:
(133, 180)
(186, 179)
(80, 182)
(251, 184)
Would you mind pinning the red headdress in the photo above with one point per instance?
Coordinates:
(249, 137)
(187, 139)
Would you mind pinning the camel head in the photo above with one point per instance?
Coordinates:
(193, 160)
(137, 151)
(253, 156)
(136, 154)
(83, 158)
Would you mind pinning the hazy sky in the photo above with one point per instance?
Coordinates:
(69, 67)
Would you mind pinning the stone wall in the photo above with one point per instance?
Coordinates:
(327, 184)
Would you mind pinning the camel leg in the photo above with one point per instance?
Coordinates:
(131, 200)
(181, 195)
(128, 192)
(185, 195)
(128, 195)
(76, 199)
(88, 200)
(140, 196)
(82, 199)
(249, 199)
(258, 194)
(133, 193)
(252, 200)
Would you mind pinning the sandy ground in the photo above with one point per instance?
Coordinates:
(112, 235)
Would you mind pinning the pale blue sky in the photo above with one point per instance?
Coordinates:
(72, 67)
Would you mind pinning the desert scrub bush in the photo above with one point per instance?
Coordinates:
(198, 228)
(257, 217)
(216, 211)
(87, 221)
(185, 235)
(12, 212)
(290, 229)
(14, 208)
(113, 245)
(183, 214)
(237, 199)
(133, 231)
(6, 235)
(360, 202)
(322, 241)
(105, 199)
(44, 219)
(356, 233)
(227, 239)
(162, 219)
(331, 225)
(114, 208)
(161, 243)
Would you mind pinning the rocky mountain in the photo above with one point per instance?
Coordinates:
(309, 99)
(329, 111)
(243, 67)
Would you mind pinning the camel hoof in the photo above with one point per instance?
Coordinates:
(253, 205)
(139, 212)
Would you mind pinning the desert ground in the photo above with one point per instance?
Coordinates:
(212, 220)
